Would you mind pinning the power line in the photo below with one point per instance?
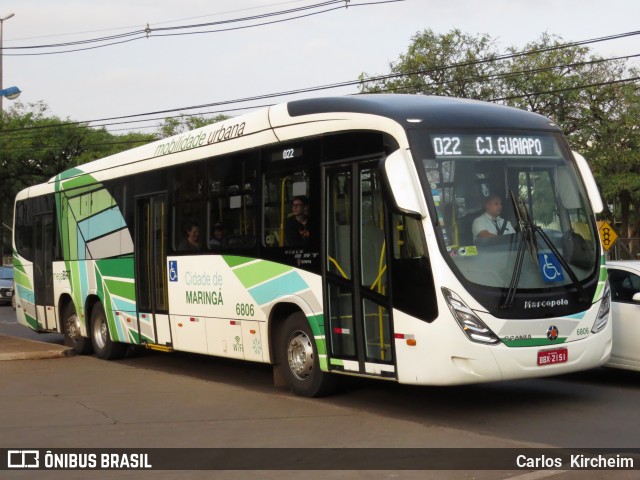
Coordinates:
(365, 81)
(355, 82)
(568, 89)
(155, 23)
(497, 99)
(498, 76)
(149, 32)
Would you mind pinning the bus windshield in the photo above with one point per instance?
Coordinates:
(511, 209)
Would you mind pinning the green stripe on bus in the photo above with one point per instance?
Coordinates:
(116, 267)
(134, 336)
(260, 272)
(324, 365)
(72, 172)
(534, 342)
(337, 361)
(21, 278)
(317, 324)
(121, 289)
(33, 323)
(76, 182)
(234, 261)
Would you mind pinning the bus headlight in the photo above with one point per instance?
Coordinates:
(603, 311)
(471, 325)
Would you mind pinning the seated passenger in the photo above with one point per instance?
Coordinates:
(296, 228)
(191, 240)
(490, 223)
(215, 243)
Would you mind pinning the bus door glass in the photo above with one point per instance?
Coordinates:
(151, 268)
(44, 253)
(357, 293)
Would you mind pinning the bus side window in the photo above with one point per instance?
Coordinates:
(188, 207)
(283, 192)
(24, 229)
(231, 202)
(412, 278)
(285, 186)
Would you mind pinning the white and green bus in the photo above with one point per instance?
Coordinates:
(182, 244)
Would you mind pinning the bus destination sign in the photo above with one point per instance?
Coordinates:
(494, 145)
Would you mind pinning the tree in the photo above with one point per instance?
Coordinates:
(450, 64)
(586, 95)
(176, 125)
(35, 147)
(614, 155)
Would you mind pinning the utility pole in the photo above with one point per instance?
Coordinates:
(2, 19)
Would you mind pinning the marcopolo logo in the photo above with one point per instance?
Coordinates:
(562, 302)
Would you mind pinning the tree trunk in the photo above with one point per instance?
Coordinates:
(625, 205)
(634, 231)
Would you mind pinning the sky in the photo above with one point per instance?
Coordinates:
(175, 72)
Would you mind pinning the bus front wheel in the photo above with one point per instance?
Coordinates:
(72, 334)
(103, 346)
(298, 358)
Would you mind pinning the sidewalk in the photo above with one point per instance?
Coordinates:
(14, 348)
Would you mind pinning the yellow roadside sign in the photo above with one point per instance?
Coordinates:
(608, 235)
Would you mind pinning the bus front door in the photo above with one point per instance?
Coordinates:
(355, 270)
(45, 243)
(151, 269)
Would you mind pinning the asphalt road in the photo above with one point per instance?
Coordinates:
(181, 400)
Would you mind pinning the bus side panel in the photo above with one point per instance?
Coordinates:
(229, 299)
(452, 358)
(116, 288)
(25, 301)
(98, 254)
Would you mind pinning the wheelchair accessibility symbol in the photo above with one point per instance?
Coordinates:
(550, 268)
(173, 270)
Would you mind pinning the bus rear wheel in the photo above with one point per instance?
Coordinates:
(72, 333)
(298, 358)
(103, 346)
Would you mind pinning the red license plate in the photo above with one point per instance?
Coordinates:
(549, 357)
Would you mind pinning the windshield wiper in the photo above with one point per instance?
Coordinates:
(529, 229)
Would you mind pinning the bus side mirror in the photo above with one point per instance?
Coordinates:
(589, 183)
(402, 180)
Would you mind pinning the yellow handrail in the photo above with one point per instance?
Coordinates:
(282, 214)
(333, 260)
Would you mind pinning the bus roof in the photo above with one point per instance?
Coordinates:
(271, 125)
(432, 111)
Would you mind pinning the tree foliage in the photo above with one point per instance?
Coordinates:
(35, 146)
(176, 125)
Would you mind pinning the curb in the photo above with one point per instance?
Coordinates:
(14, 348)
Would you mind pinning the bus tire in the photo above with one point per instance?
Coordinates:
(298, 358)
(103, 346)
(72, 333)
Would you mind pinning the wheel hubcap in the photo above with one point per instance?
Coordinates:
(300, 355)
(100, 332)
(73, 327)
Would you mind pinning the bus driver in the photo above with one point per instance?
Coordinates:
(490, 223)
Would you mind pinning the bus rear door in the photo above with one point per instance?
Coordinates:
(45, 243)
(151, 269)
